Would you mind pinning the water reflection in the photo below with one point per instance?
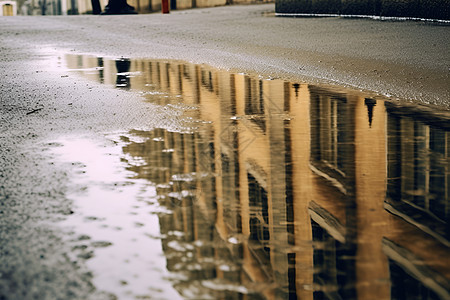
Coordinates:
(123, 78)
(283, 190)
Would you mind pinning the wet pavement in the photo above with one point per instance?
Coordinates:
(133, 178)
(263, 189)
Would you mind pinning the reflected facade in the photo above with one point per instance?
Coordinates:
(283, 190)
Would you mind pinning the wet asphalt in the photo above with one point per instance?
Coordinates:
(40, 102)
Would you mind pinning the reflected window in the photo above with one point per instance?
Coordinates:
(418, 172)
(207, 81)
(404, 286)
(329, 265)
(439, 201)
(289, 185)
(230, 178)
(186, 73)
(259, 217)
(328, 133)
(292, 276)
(254, 102)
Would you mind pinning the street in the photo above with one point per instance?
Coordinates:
(46, 106)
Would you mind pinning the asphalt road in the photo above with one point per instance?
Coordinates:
(38, 104)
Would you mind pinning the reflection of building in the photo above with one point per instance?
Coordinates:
(415, 160)
(293, 191)
(418, 193)
(418, 173)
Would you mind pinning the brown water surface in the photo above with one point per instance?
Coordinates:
(284, 190)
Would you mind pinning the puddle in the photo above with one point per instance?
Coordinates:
(114, 226)
(275, 190)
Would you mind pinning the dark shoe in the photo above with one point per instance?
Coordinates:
(127, 10)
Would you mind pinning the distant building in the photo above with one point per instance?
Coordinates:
(8, 8)
(75, 7)
(57, 7)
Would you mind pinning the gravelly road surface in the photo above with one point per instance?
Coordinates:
(407, 60)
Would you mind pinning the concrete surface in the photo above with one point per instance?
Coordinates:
(38, 104)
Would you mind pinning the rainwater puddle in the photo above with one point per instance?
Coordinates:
(114, 225)
(275, 190)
